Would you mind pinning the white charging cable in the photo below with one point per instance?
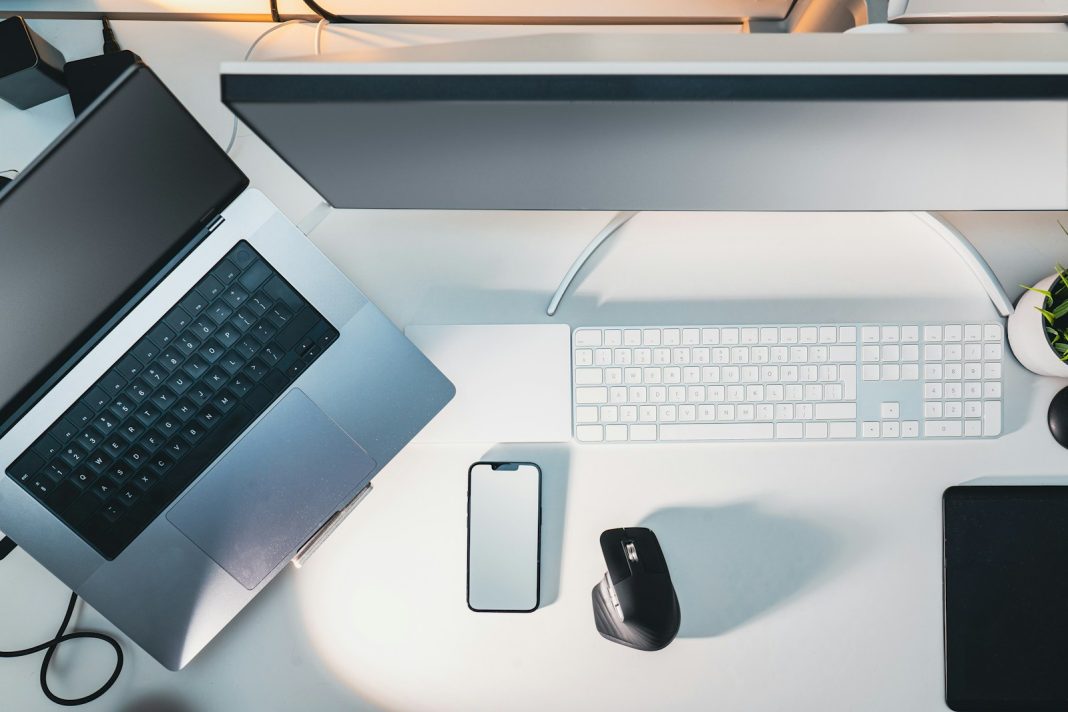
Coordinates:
(620, 219)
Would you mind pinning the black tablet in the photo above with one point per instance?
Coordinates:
(1006, 597)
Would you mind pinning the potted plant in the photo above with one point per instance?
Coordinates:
(1038, 328)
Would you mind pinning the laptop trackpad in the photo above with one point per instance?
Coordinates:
(273, 490)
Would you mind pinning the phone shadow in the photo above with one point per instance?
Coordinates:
(554, 459)
(732, 564)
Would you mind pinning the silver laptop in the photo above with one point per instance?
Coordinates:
(189, 389)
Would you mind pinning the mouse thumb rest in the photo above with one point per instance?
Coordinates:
(640, 632)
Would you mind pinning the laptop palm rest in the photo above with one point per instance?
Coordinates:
(272, 490)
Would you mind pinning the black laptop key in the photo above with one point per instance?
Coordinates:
(254, 276)
(174, 402)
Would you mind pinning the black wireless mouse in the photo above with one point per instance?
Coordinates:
(1058, 417)
(635, 604)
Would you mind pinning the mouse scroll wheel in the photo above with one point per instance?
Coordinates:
(632, 553)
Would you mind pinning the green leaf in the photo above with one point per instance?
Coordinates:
(1054, 335)
(1046, 293)
(1049, 315)
(1061, 309)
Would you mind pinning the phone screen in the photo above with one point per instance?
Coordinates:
(503, 536)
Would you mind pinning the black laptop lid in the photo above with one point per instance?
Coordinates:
(94, 223)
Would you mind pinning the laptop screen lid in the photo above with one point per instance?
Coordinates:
(94, 223)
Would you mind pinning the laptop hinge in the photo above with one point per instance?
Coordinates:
(219, 220)
(312, 545)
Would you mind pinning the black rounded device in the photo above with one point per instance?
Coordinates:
(1058, 417)
(635, 603)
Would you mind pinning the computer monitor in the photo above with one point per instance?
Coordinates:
(674, 121)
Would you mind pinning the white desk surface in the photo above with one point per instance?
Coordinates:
(809, 575)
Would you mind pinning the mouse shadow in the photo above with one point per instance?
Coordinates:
(732, 564)
(554, 459)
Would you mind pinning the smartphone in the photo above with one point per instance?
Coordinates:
(503, 537)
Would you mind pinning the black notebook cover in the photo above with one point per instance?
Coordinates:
(1006, 597)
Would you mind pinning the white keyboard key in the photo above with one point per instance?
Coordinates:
(584, 357)
(803, 411)
(687, 412)
(932, 333)
(784, 411)
(932, 409)
(932, 352)
(891, 429)
(710, 374)
(613, 376)
(973, 409)
(585, 396)
(953, 371)
(870, 429)
(910, 334)
(702, 355)
(953, 390)
(848, 375)
(590, 433)
(992, 332)
(869, 334)
(953, 409)
(847, 335)
(632, 376)
(794, 392)
(740, 354)
(588, 376)
(910, 352)
(657, 394)
(677, 394)
(973, 332)
(828, 373)
(709, 337)
(735, 394)
(695, 394)
(650, 337)
(729, 337)
(643, 357)
(992, 371)
(609, 413)
(725, 412)
(622, 357)
(717, 394)
(891, 335)
(828, 335)
(991, 418)
(615, 433)
(628, 413)
(602, 357)
(832, 392)
(799, 354)
(932, 390)
(869, 354)
(834, 411)
(667, 413)
(613, 337)
(754, 393)
(691, 337)
(706, 412)
(870, 372)
(974, 370)
(808, 335)
(973, 428)
(729, 374)
(992, 352)
(890, 410)
(932, 371)
(813, 392)
(910, 372)
(973, 352)
(632, 337)
(952, 352)
(588, 337)
(643, 432)
(717, 431)
(992, 389)
(789, 431)
(586, 414)
(618, 394)
(839, 354)
(652, 375)
(769, 335)
(952, 332)
(671, 337)
(673, 374)
(943, 428)
(661, 356)
(891, 372)
(638, 394)
(750, 336)
(816, 430)
(765, 411)
(759, 354)
(746, 411)
(843, 430)
(910, 429)
(788, 335)
(774, 392)
(647, 413)
(891, 352)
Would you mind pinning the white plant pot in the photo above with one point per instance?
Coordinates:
(1027, 335)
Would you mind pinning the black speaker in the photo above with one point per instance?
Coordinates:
(31, 70)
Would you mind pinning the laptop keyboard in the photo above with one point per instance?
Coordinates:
(174, 402)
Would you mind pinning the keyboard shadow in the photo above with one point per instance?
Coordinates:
(554, 461)
(733, 564)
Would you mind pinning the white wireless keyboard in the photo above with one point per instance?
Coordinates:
(804, 382)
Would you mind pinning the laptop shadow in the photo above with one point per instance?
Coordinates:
(732, 564)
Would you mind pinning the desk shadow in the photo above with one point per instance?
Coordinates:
(554, 459)
(156, 702)
(734, 563)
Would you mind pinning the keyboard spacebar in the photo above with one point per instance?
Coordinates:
(717, 431)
